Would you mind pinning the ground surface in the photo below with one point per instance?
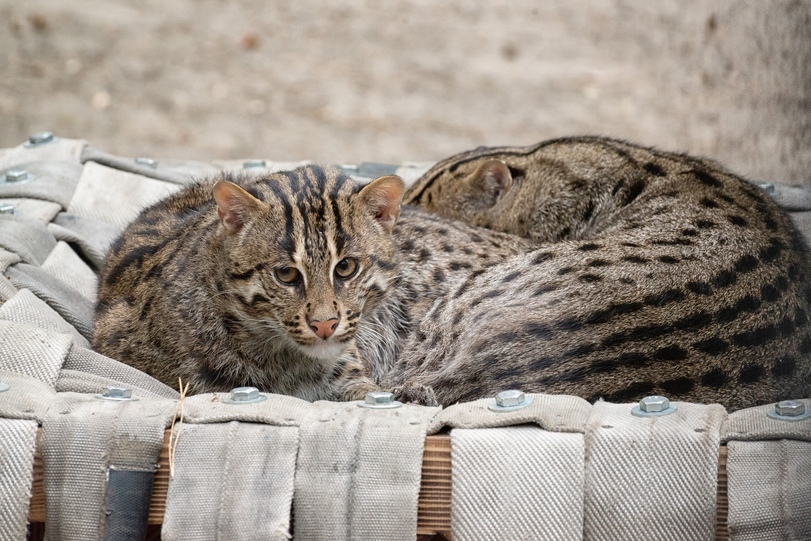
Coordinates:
(411, 80)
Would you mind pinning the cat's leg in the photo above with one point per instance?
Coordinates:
(415, 393)
(352, 380)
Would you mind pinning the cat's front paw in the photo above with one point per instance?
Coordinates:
(415, 393)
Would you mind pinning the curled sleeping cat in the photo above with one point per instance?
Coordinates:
(655, 273)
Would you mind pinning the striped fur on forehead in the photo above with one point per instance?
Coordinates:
(312, 201)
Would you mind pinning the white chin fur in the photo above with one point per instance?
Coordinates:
(323, 349)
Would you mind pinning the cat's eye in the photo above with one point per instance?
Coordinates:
(288, 275)
(346, 268)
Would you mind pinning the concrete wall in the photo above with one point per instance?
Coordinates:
(411, 79)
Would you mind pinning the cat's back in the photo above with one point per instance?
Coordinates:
(155, 236)
(657, 273)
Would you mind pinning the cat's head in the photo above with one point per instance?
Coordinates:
(309, 253)
(474, 191)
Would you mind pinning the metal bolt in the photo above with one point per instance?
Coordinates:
(3, 387)
(254, 164)
(245, 395)
(113, 392)
(17, 174)
(117, 392)
(654, 404)
(6, 209)
(148, 162)
(380, 400)
(40, 138)
(512, 399)
(790, 408)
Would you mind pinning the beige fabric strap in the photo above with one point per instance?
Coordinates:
(769, 475)
(47, 181)
(7, 259)
(32, 209)
(752, 424)
(115, 197)
(790, 198)
(85, 371)
(358, 472)
(82, 438)
(92, 237)
(74, 308)
(232, 481)
(59, 150)
(516, 483)
(176, 171)
(769, 484)
(28, 309)
(27, 238)
(17, 445)
(651, 478)
(26, 398)
(32, 351)
(71, 271)
(556, 413)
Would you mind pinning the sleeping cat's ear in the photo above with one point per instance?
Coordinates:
(382, 198)
(491, 179)
(234, 205)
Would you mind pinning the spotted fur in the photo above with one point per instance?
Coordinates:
(653, 273)
(237, 281)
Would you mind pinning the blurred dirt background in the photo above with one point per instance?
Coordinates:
(411, 80)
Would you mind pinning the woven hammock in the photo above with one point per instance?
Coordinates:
(93, 449)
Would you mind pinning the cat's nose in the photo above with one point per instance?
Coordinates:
(324, 329)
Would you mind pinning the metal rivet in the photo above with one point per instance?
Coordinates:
(116, 393)
(147, 162)
(6, 209)
(380, 400)
(245, 395)
(789, 410)
(3, 387)
(254, 164)
(653, 406)
(17, 174)
(510, 400)
(40, 138)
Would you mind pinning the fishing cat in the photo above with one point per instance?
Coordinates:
(291, 282)
(654, 273)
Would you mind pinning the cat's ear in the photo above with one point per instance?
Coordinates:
(234, 205)
(382, 198)
(492, 178)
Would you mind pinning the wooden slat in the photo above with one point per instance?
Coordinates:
(434, 509)
(433, 513)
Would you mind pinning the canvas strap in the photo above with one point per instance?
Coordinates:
(654, 477)
(84, 439)
(358, 472)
